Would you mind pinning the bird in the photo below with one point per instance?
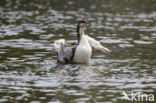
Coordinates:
(81, 53)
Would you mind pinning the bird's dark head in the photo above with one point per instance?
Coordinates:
(82, 23)
(80, 28)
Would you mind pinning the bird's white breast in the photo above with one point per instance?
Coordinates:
(83, 51)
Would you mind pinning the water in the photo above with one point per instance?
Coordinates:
(28, 69)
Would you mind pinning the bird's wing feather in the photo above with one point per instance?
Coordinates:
(68, 53)
(59, 48)
(97, 45)
(64, 54)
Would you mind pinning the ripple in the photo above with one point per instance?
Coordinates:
(115, 41)
(142, 42)
(25, 43)
(28, 66)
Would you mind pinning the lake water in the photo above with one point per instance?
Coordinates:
(29, 72)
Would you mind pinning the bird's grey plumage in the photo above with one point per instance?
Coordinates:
(64, 54)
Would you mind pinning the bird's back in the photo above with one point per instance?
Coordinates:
(67, 54)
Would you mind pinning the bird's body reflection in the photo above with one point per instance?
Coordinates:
(80, 75)
(77, 70)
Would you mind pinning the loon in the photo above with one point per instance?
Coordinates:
(83, 50)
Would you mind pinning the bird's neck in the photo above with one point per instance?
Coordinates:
(80, 33)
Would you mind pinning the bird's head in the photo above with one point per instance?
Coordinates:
(82, 23)
(80, 28)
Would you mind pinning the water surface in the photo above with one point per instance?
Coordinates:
(28, 68)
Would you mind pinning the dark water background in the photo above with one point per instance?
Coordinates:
(28, 69)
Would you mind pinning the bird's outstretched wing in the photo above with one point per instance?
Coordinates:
(97, 45)
(64, 54)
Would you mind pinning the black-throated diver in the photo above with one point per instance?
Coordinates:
(83, 51)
